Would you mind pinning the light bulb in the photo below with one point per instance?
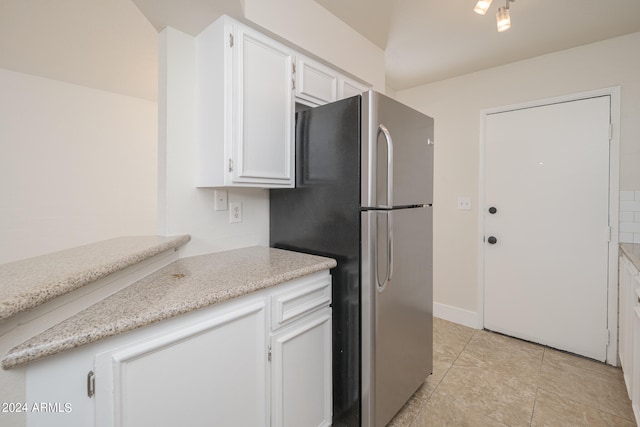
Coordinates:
(503, 19)
(482, 6)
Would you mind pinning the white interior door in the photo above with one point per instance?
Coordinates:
(546, 272)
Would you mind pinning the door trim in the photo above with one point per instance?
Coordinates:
(614, 197)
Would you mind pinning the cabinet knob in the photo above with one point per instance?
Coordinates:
(492, 240)
(492, 210)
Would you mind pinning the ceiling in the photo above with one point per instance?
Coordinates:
(189, 16)
(112, 45)
(428, 40)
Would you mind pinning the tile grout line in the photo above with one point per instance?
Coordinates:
(535, 400)
(454, 361)
(415, 418)
(491, 416)
(413, 421)
(569, 397)
(464, 348)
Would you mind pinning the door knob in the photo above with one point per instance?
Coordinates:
(492, 240)
(492, 210)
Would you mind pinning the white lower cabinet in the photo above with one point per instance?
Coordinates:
(259, 360)
(301, 382)
(635, 383)
(211, 373)
(629, 330)
(627, 272)
(301, 372)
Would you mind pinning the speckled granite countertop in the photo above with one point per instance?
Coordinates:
(183, 286)
(633, 252)
(34, 281)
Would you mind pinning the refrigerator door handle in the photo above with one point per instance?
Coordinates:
(387, 136)
(389, 269)
(390, 240)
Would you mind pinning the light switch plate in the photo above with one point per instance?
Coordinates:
(464, 203)
(221, 200)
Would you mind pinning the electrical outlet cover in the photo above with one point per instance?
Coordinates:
(235, 211)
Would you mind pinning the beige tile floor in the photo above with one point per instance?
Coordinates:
(485, 379)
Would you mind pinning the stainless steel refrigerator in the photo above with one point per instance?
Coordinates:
(364, 192)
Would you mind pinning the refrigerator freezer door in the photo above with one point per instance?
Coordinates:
(397, 320)
(387, 123)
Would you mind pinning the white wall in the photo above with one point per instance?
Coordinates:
(183, 208)
(106, 45)
(77, 165)
(456, 103)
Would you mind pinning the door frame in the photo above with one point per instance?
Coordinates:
(614, 197)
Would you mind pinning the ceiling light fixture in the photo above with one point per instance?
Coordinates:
(482, 6)
(503, 19)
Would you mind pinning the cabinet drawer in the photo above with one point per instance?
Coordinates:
(303, 298)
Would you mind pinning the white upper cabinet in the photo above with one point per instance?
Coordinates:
(315, 82)
(244, 84)
(348, 87)
(263, 114)
(246, 88)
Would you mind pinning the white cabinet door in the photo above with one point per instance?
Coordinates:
(263, 140)
(348, 88)
(210, 373)
(635, 382)
(626, 304)
(301, 373)
(245, 108)
(315, 82)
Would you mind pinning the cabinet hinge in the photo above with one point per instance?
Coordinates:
(293, 84)
(610, 132)
(91, 384)
(293, 67)
(269, 354)
(230, 40)
(230, 165)
(608, 234)
(608, 336)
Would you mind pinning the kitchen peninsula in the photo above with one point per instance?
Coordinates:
(188, 332)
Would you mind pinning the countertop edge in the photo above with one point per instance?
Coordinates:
(41, 346)
(41, 295)
(632, 251)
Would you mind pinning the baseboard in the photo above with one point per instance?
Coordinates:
(456, 315)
